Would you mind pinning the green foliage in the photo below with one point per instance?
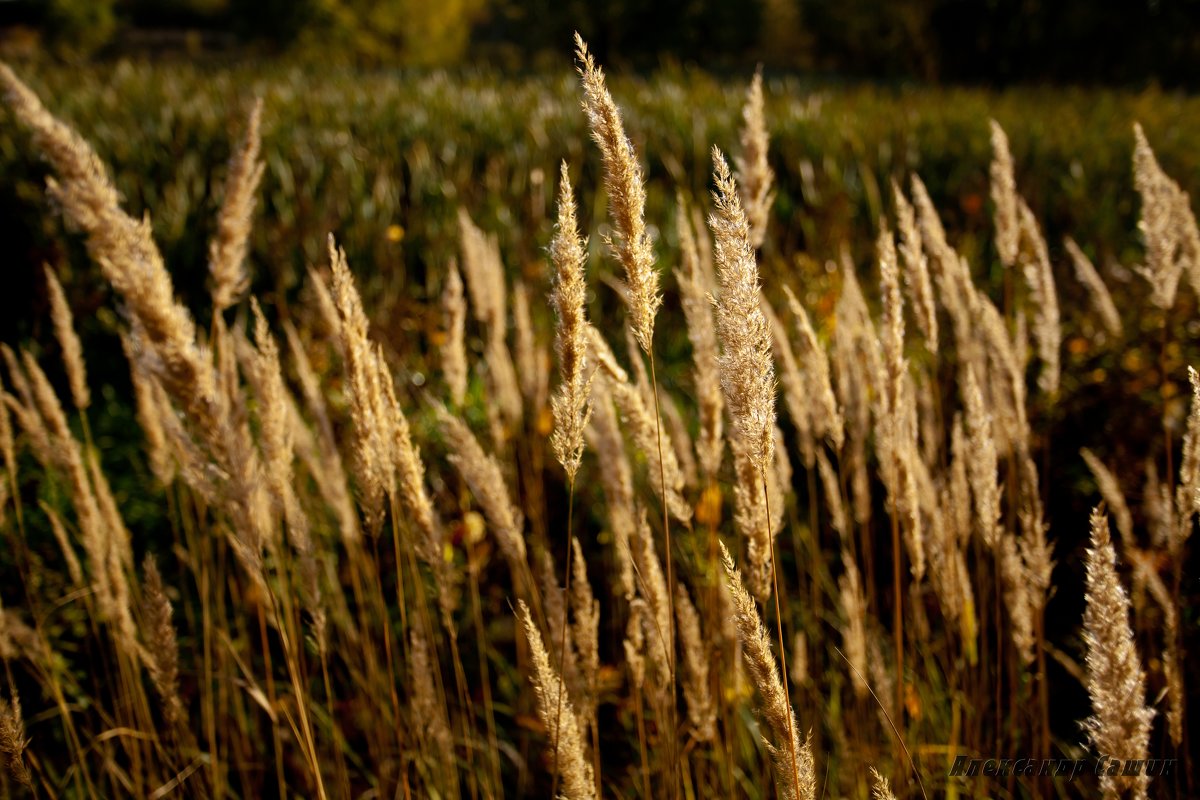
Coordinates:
(411, 32)
(277, 21)
(80, 27)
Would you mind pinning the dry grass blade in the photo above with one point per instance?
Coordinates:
(162, 650)
(483, 474)
(13, 741)
(1098, 292)
(68, 340)
(453, 349)
(571, 403)
(693, 289)
(1120, 723)
(567, 739)
(1110, 490)
(1167, 224)
(1004, 197)
(747, 370)
(880, 788)
(916, 269)
(227, 251)
(754, 174)
(826, 416)
(795, 771)
(702, 711)
(627, 197)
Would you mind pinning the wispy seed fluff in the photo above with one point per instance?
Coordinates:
(227, 251)
(793, 384)
(1146, 572)
(1120, 723)
(484, 271)
(410, 479)
(68, 340)
(1019, 597)
(571, 403)
(531, 359)
(754, 173)
(627, 197)
(566, 739)
(747, 369)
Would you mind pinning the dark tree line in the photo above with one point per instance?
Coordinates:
(955, 41)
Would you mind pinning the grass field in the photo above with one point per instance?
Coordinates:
(293, 468)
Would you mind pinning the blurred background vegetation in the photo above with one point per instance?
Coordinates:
(994, 41)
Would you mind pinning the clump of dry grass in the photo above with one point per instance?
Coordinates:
(342, 665)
